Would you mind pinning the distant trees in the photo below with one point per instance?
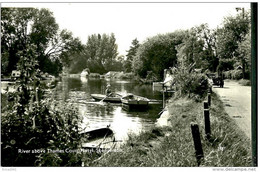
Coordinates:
(223, 49)
(100, 52)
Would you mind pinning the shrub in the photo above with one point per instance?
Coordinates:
(43, 126)
(190, 83)
(233, 74)
(32, 123)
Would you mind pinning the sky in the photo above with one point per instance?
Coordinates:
(134, 20)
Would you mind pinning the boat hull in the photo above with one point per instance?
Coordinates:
(131, 102)
(116, 99)
(99, 140)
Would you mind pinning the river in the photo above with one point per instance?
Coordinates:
(96, 115)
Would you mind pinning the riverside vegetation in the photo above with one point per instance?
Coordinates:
(172, 146)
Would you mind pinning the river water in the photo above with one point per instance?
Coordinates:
(98, 115)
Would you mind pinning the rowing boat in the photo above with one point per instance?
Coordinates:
(99, 139)
(115, 98)
(135, 101)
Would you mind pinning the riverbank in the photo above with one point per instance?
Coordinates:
(110, 75)
(172, 145)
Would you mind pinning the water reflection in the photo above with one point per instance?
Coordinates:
(97, 115)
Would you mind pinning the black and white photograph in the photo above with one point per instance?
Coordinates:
(129, 84)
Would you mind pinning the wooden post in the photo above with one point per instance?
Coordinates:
(197, 142)
(207, 123)
(163, 99)
(209, 99)
(206, 105)
(210, 90)
(163, 96)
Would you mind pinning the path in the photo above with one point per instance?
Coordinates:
(237, 103)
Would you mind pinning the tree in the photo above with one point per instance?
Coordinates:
(65, 47)
(191, 50)
(130, 55)
(14, 28)
(100, 52)
(209, 55)
(156, 54)
(199, 48)
(26, 27)
(244, 57)
(231, 35)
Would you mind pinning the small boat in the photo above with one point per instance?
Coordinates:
(115, 98)
(134, 101)
(99, 139)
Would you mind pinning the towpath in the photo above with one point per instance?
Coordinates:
(237, 103)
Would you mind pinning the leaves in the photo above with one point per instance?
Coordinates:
(101, 53)
(36, 123)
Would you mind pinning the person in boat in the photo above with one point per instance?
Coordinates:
(108, 91)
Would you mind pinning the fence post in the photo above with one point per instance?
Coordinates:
(210, 89)
(209, 99)
(207, 123)
(206, 105)
(197, 142)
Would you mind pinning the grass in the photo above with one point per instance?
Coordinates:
(172, 146)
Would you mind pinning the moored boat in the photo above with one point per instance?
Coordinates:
(134, 101)
(99, 139)
(116, 98)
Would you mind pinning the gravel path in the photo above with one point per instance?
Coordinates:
(237, 103)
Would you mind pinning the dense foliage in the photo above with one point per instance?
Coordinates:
(233, 43)
(37, 125)
(189, 82)
(25, 27)
(130, 55)
(99, 54)
(223, 49)
(156, 54)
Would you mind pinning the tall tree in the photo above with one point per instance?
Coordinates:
(100, 52)
(15, 24)
(191, 50)
(209, 55)
(130, 55)
(231, 35)
(26, 27)
(156, 54)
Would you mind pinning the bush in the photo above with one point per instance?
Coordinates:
(32, 123)
(190, 83)
(49, 125)
(233, 74)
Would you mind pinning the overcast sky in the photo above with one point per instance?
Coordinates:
(134, 20)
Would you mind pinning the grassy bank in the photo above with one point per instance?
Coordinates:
(173, 145)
